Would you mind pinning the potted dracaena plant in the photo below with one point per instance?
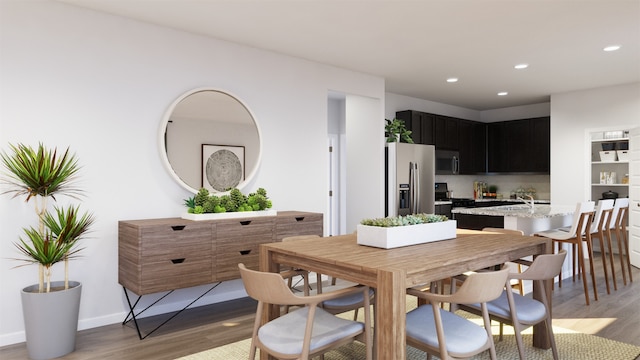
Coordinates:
(50, 308)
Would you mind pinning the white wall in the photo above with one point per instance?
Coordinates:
(101, 85)
(573, 116)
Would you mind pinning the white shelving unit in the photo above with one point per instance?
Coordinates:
(601, 183)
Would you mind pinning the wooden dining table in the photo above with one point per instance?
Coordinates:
(391, 271)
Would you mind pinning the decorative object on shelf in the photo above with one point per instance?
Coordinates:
(395, 131)
(222, 167)
(608, 177)
(206, 206)
(50, 309)
(393, 232)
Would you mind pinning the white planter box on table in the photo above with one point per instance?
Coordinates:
(398, 236)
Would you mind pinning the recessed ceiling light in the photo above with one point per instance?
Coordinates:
(503, 93)
(452, 80)
(612, 48)
(521, 66)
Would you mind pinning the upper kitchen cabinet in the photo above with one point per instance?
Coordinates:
(519, 146)
(447, 132)
(421, 124)
(472, 144)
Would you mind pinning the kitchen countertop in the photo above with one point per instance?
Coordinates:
(448, 202)
(519, 210)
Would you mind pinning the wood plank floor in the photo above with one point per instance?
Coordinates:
(614, 316)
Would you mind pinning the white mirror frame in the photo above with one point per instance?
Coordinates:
(162, 145)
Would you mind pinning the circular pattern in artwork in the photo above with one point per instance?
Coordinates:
(223, 170)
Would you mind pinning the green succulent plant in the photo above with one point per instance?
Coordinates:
(204, 202)
(412, 219)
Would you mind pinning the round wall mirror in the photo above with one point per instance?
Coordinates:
(209, 139)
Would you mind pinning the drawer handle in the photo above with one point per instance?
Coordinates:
(299, 218)
(245, 252)
(246, 222)
(178, 261)
(178, 227)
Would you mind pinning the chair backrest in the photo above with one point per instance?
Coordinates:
(544, 267)
(267, 287)
(480, 287)
(503, 231)
(621, 203)
(598, 220)
(581, 208)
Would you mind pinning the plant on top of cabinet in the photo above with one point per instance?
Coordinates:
(205, 203)
(396, 131)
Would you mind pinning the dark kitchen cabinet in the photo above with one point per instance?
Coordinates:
(421, 124)
(472, 141)
(446, 132)
(518, 146)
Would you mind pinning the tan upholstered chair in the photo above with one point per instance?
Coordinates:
(306, 331)
(447, 335)
(522, 311)
(575, 235)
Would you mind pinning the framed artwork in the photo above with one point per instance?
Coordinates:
(222, 167)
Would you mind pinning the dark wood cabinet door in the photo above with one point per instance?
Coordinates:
(539, 151)
(421, 124)
(472, 143)
(446, 132)
(496, 147)
(518, 138)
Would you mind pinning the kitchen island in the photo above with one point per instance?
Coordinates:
(523, 217)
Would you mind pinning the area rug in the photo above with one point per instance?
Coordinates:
(571, 345)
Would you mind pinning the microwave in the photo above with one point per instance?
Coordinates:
(447, 162)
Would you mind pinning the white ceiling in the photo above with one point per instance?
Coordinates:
(417, 45)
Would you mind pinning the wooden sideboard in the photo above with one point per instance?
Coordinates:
(156, 255)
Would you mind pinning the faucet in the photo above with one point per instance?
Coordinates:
(529, 203)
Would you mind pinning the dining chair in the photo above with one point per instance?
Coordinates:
(306, 331)
(575, 236)
(291, 273)
(600, 229)
(515, 284)
(520, 311)
(450, 336)
(619, 225)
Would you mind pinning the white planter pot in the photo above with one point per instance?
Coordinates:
(229, 215)
(398, 236)
(51, 320)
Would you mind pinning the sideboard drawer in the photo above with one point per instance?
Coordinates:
(176, 273)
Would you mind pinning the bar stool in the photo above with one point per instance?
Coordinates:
(579, 232)
(619, 225)
(600, 227)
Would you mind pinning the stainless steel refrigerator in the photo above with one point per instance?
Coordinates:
(409, 179)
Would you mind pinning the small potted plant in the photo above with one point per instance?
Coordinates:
(50, 308)
(397, 231)
(395, 131)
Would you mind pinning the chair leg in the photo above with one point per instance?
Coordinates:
(552, 339)
(610, 249)
(623, 248)
(584, 278)
(591, 268)
(604, 260)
